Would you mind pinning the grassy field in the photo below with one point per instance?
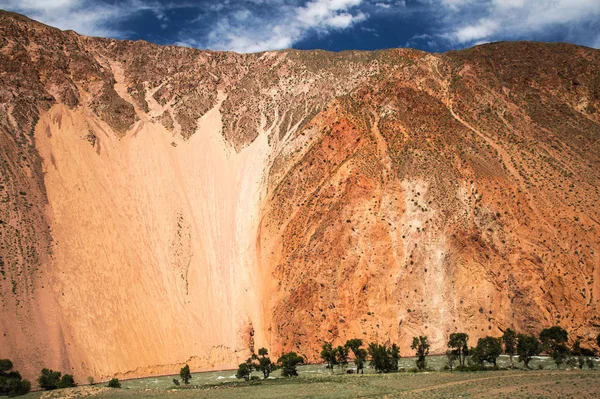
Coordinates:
(317, 382)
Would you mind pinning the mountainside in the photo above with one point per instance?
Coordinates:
(163, 205)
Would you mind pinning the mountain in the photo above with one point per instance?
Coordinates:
(163, 205)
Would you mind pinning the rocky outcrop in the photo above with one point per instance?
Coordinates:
(163, 205)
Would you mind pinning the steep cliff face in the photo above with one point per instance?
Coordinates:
(163, 205)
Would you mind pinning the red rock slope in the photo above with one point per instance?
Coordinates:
(163, 205)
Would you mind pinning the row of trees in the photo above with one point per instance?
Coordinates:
(288, 362)
(12, 384)
(553, 341)
(384, 359)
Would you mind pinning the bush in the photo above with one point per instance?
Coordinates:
(175, 382)
(49, 379)
(5, 365)
(114, 383)
(67, 381)
(90, 380)
(540, 366)
(254, 378)
(20, 388)
(11, 383)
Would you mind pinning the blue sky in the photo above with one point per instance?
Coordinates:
(257, 25)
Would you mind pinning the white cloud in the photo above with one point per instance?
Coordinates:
(471, 21)
(280, 28)
(257, 25)
(483, 28)
(87, 17)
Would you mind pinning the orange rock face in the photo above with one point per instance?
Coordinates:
(164, 205)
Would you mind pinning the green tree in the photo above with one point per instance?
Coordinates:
(114, 383)
(510, 344)
(185, 374)
(329, 355)
(590, 363)
(394, 353)
(384, 359)
(527, 347)
(264, 363)
(560, 354)
(459, 343)
(342, 356)
(421, 345)
(553, 336)
(379, 357)
(289, 362)
(452, 356)
(244, 370)
(49, 379)
(554, 340)
(360, 354)
(487, 350)
(360, 360)
(578, 352)
(67, 381)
